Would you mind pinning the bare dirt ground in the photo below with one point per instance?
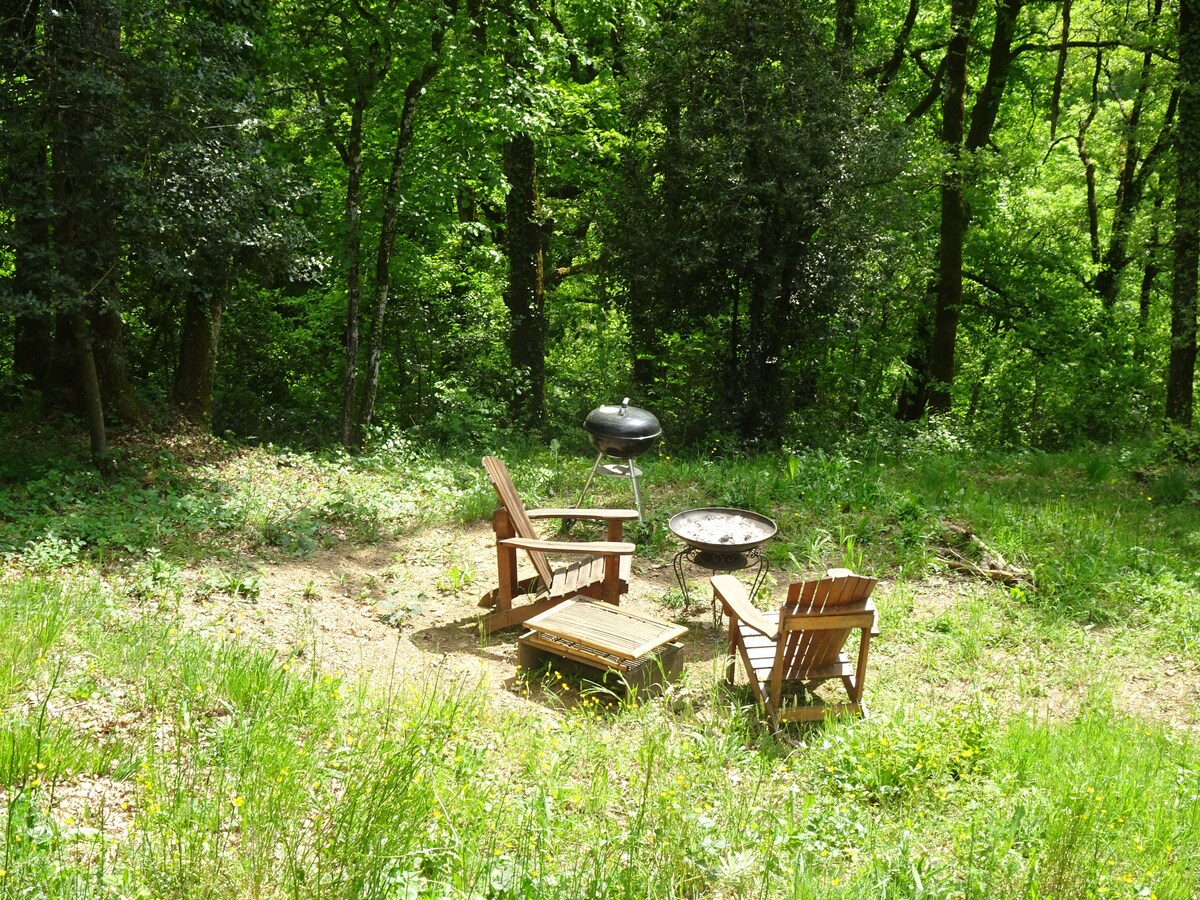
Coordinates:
(408, 608)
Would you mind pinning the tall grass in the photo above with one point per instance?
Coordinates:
(140, 760)
(251, 777)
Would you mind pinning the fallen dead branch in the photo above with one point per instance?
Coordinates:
(988, 563)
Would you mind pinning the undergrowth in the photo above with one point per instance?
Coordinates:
(141, 760)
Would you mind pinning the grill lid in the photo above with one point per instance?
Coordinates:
(622, 421)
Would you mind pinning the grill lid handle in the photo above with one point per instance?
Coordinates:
(624, 406)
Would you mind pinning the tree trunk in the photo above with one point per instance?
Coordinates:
(382, 289)
(1182, 371)
(81, 41)
(953, 227)
(108, 348)
(524, 295)
(1129, 184)
(89, 390)
(987, 104)
(1089, 164)
(1061, 70)
(198, 343)
(1093, 206)
(1149, 273)
(765, 402)
(938, 366)
(645, 321)
(354, 171)
(847, 12)
(28, 197)
(387, 241)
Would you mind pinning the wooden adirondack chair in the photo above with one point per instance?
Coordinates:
(598, 569)
(800, 644)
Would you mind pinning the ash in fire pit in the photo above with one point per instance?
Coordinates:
(721, 539)
(722, 530)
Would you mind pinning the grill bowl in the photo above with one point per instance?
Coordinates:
(622, 431)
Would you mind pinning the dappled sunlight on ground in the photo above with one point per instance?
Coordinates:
(407, 608)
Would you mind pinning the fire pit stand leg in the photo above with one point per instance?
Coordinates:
(748, 558)
(761, 574)
(690, 554)
(677, 563)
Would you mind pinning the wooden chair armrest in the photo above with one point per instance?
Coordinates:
(581, 548)
(732, 594)
(622, 515)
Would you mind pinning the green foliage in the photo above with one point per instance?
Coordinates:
(737, 216)
(1177, 446)
(739, 153)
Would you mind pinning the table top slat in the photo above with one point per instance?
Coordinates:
(605, 627)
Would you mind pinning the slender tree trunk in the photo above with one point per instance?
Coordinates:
(765, 401)
(987, 105)
(1093, 205)
(938, 366)
(352, 157)
(1149, 273)
(1060, 71)
(382, 289)
(28, 192)
(847, 13)
(198, 343)
(1182, 372)
(953, 227)
(81, 40)
(885, 74)
(387, 241)
(89, 390)
(1129, 184)
(524, 295)
(104, 251)
(108, 347)
(646, 331)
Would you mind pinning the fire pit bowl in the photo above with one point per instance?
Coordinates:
(721, 530)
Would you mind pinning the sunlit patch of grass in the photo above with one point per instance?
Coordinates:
(994, 763)
(257, 770)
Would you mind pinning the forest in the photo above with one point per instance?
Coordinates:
(337, 221)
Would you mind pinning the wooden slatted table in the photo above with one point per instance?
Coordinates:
(642, 651)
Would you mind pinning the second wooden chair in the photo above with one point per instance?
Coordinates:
(800, 644)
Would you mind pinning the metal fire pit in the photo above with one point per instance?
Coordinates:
(622, 432)
(721, 539)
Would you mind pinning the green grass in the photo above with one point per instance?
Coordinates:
(139, 759)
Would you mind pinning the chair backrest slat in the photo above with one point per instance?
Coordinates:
(803, 651)
(506, 493)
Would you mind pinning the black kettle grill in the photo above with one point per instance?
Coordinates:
(621, 432)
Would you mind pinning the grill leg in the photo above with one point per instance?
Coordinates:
(588, 484)
(680, 576)
(637, 497)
